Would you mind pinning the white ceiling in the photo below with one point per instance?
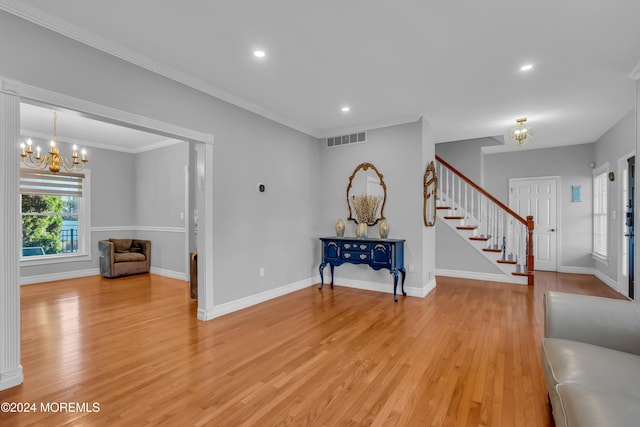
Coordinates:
(454, 62)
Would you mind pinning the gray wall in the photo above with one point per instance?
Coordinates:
(617, 142)
(159, 179)
(395, 152)
(572, 165)
(466, 156)
(250, 230)
(456, 254)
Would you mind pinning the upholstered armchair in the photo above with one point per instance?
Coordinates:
(123, 257)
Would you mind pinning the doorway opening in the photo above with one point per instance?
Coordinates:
(626, 283)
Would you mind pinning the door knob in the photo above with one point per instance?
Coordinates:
(553, 229)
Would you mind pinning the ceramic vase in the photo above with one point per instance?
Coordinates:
(361, 230)
(384, 229)
(340, 228)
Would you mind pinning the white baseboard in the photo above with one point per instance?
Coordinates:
(594, 272)
(239, 304)
(606, 279)
(490, 277)
(11, 378)
(576, 270)
(29, 280)
(206, 314)
(169, 273)
(386, 287)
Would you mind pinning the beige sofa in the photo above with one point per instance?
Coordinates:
(591, 360)
(123, 257)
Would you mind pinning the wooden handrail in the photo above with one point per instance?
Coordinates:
(482, 190)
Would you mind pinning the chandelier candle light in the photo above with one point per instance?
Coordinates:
(53, 159)
(521, 134)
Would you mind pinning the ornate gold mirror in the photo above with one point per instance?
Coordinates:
(366, 195)
(429, 208)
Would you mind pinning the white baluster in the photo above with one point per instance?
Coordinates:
(459, 194)
(466, 206)
(473, 214)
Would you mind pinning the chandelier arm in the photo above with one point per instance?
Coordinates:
(70, 165)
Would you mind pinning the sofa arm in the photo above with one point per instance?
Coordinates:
(145, 247)
(600, 321)
(105, 247)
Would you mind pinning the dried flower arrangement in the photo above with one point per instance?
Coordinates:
(365, 208)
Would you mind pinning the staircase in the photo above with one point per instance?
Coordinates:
(494, 230)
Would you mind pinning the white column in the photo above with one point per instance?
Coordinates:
(10, 368)
(204, 201)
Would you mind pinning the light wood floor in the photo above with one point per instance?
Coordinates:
(467, 354)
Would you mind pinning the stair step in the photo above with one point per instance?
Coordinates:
(492, 250)
(520, 274)
(506, 261)
(466, 227)
(443, 207)
(484, 239)
(453, 217)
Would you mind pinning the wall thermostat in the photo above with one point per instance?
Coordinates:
(261, 188)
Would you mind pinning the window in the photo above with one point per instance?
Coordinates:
(55, 216)
(600, 219)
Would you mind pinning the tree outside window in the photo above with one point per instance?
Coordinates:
(49, 224)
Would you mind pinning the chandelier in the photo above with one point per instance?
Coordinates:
(522, 133)
(53, 159)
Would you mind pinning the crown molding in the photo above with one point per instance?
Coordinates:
(78, 34)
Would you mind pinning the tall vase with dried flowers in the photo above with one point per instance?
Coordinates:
(365, 209)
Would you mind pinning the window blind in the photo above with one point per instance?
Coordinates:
(600, 220)
(41, 182)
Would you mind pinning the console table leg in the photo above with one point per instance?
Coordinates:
(322, 275)
(404, 274)
(395, 284)
(331, 268)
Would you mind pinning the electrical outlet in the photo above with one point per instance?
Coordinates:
(261, 271)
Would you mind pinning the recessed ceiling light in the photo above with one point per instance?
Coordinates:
(345, 109)
(526, 67)
(259, 53)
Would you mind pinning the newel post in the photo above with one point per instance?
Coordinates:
(530, 262)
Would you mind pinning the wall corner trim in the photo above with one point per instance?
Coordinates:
(635, 73)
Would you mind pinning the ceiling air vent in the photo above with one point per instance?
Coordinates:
(353, 138)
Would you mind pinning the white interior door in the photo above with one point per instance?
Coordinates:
(538, 197)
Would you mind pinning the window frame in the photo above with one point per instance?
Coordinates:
(600, 208)
(84, 232)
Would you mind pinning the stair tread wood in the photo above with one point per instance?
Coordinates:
(519, 274)
(453, 217)
(506, 261)
(492, 250)
(466, 227)
(484, 239)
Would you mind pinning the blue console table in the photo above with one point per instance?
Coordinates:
(376, 253)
